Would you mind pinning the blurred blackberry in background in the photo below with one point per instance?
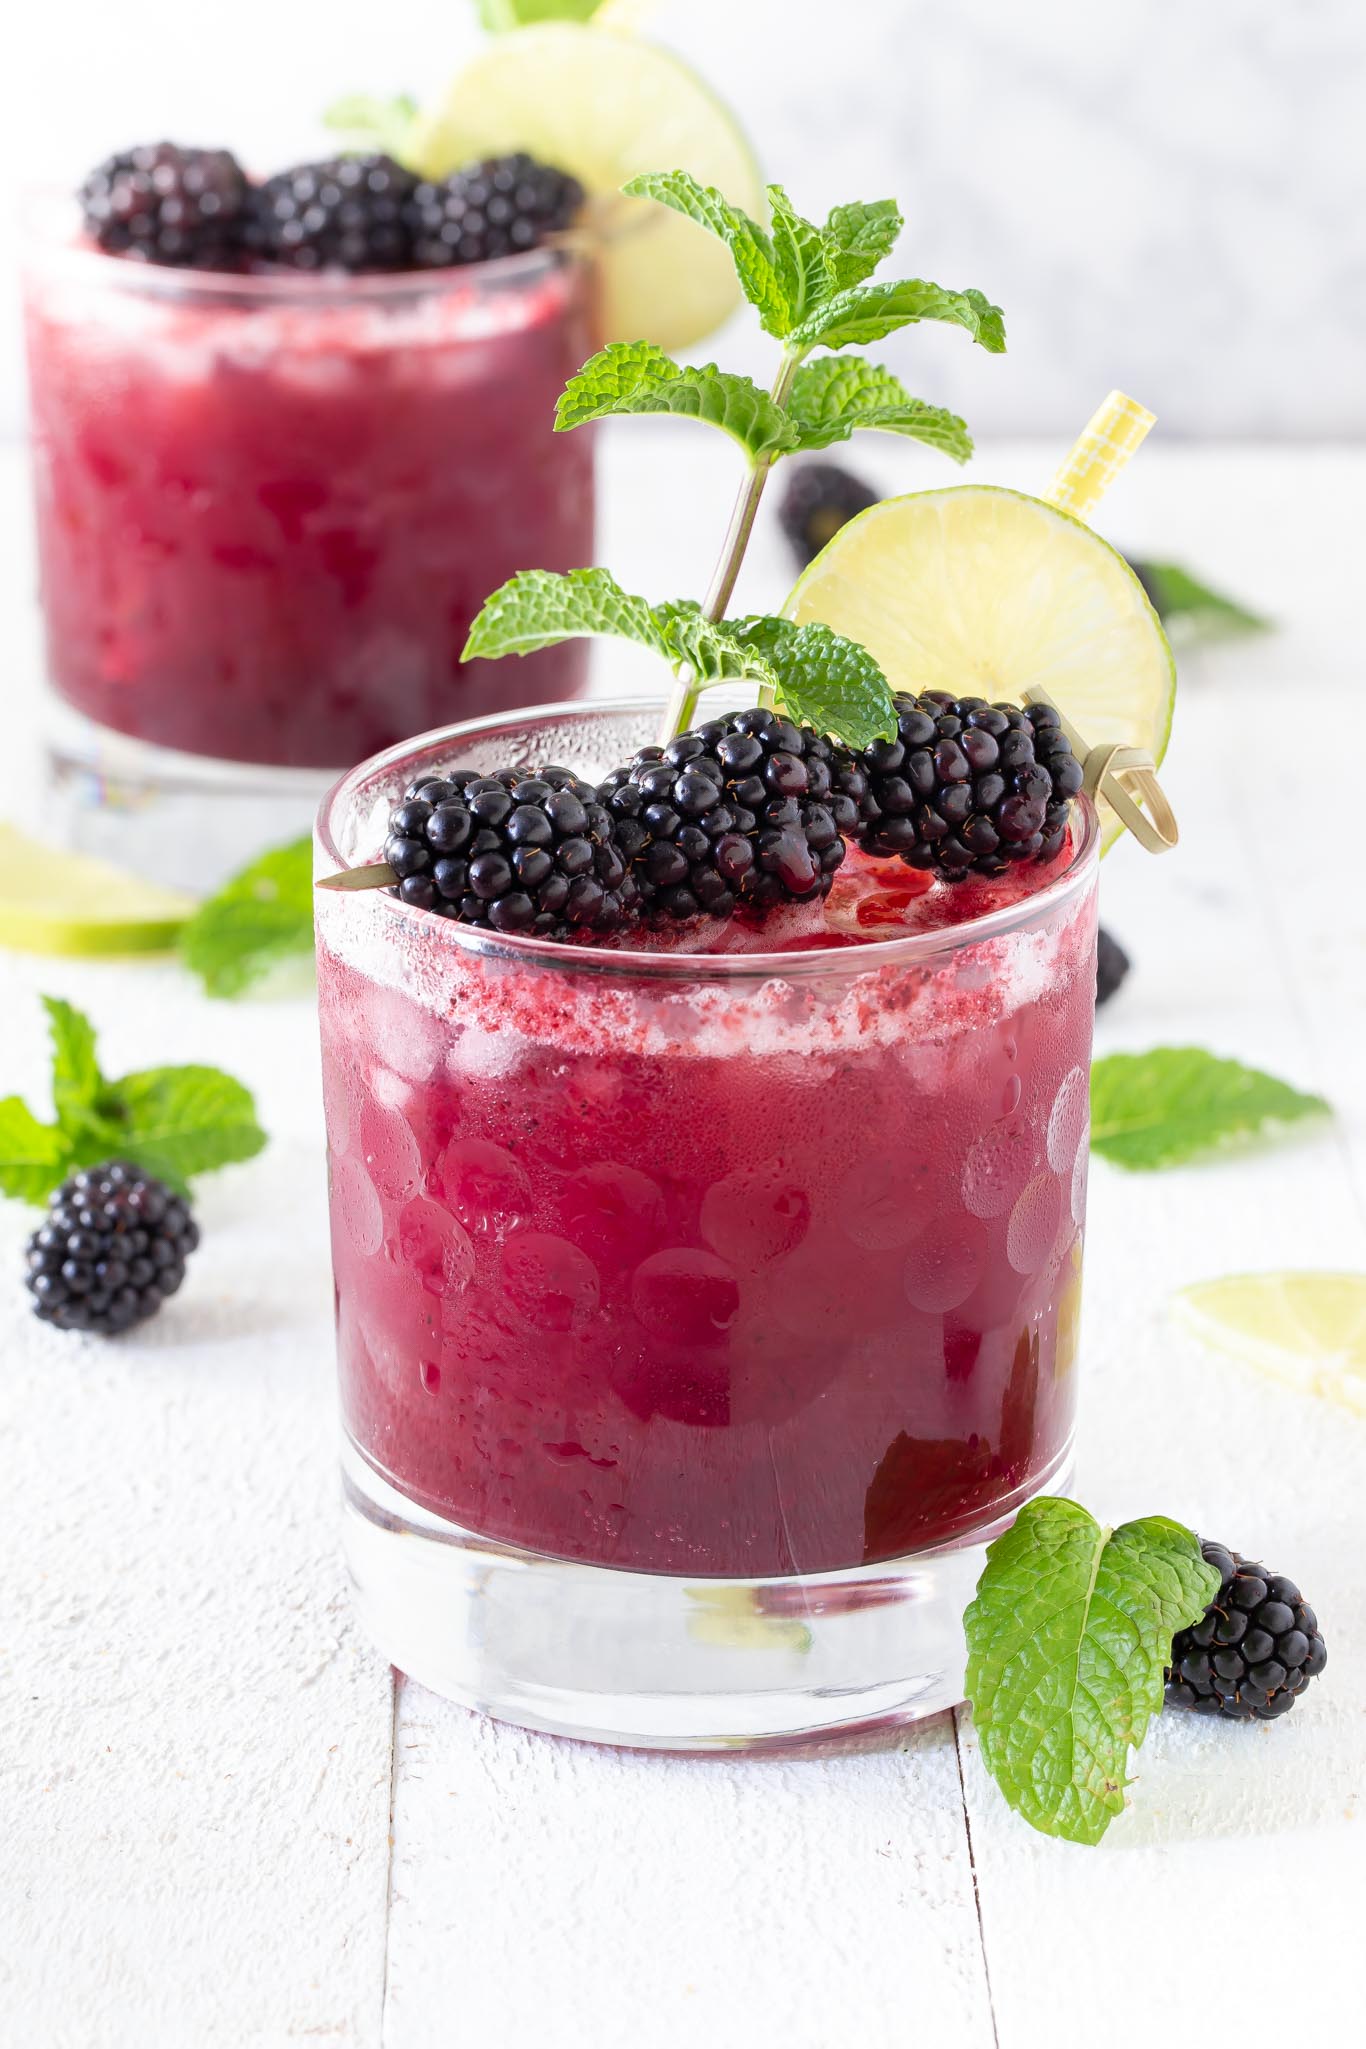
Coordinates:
(347, 214)
(968, 787)
(159, 203)
(521, 850)
(113, 1247)
(1254, 1650)
(495, 208)
(818, 499)
(1112, 965)
(740, 811)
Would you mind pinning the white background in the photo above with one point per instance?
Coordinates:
(1167, 195)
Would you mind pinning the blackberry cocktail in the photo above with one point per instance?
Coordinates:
(707, 1088)
(276, 477)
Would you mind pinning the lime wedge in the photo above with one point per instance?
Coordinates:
(57, 902)
(1305, 1329)
(606, 107)
(984, 591)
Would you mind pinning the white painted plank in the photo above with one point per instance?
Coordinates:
(196, 1747)
(1224, 1821)
(554, 1896)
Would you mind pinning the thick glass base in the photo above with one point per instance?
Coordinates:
(186, 820)
(657, 1662)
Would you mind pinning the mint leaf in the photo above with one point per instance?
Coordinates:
(868, 312)
(262, 915)
(800, 256)
(498, 16)
(833, 396)
(1068, 1639)
(76, 1077)
(823, 679)
(33, 1157)
(857, 237)
(638, 377)
(711, 648)
(750, 249)
(1174, 1103)
(372, 123)
(1179, 596)
(539, 607)
(179, 1121)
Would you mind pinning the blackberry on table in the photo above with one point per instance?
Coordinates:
(818, 499)
(521, 850)
(113, 1247)
(1112, 965)
(1253, 1651)
(967, 787)
(348, 213)
(159, 203)
(495, 208)
(743, 810)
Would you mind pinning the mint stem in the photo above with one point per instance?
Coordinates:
(683, 698)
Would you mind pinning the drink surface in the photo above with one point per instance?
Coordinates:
(266, 518)
(747, 1274)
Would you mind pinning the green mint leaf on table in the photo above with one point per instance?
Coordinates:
(833, 396)
(868, 312)
(179, 1121)
(1175, 1103)
(858, 237)
(173, 1121)
(1068, 1638)
(263, 915)
(33, 1156)
(638, 377)
(1179, 596)
(372, 123)
(824, 680)
(77, 1083)
(750, 249)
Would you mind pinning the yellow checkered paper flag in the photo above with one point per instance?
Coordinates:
(1104, 445)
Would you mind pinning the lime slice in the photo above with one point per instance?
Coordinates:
(58, 902)
(607, 107)
(1305, 1329)
(989, 592)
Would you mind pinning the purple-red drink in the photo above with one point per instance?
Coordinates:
(269, 507)
(746, 1264)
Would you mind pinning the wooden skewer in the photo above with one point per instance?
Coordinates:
(1126, 778)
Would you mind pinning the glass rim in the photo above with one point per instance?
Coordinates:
(567, 957)
(48, 220)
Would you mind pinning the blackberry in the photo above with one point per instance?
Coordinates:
(162, 204)
(1253, 1651)
(1112, 965)
(521, 850)
(745, 810)
(112, 1249)
(495, 208)
(968, 787)
(818, 499)
(346, 214)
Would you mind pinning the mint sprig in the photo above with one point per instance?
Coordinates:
(810, 286)
(173, 1121)
(367, 121)
(1177, 1103)
(261, 916)
(499, 16)
(1068, 1639)
(1182, 599)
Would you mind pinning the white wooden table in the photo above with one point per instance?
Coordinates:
(225, 1822)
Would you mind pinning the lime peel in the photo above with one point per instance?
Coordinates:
(53, 901)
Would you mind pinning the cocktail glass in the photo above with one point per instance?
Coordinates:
(268, 508)
(700, 1316)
